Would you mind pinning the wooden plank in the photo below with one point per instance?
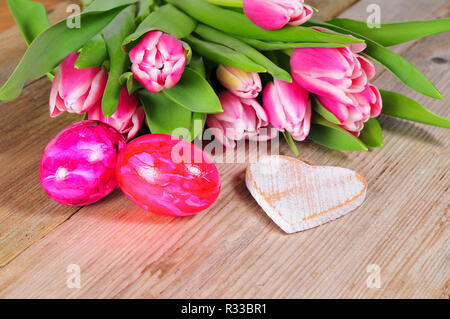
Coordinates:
(6, 19)
(234, 250)
(329, 8)
(26, 214)
(12, 45)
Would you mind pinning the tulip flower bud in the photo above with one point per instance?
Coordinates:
(241, 118)
(158, 61)
(365, 105)
(288, 107)
(128, 117)
(76, 90)
(331, 72)
(243, 84)
(275, 14)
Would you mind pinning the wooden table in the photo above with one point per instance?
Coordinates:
(233, 250)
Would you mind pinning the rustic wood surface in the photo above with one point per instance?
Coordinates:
(234, 250)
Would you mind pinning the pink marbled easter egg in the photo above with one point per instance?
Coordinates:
(168, 176)
(78, 165)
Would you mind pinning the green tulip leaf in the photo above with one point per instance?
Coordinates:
(398, 105)
(273, 46)
(224, 55)
(86, 3)
(227, 3)
(197, 64)
(93, 54)
(165, 116)
(145, 7)
(236, 23)
(393, 33)
(132, 84)
(218, 37)
(281, 59)
(290, 141)
(319, 108)
(194, 93)
(198, 119)
(114, 34)
(198, 124)
(404, 70)
(371, 135)
(333, 136)
(167, 19)
(37, 61)
(31, 18)
(102, 5)
(188, 50)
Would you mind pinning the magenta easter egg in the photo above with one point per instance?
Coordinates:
(78, 165)
(168, 176)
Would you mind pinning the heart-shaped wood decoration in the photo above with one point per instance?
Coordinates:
(298, 196)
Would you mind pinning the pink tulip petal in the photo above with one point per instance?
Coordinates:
(367, 66)
(170, 47)
(137, 119)
(322, 88)
(127, 105)
(218, 131)
(266, 14)
(338, 109)
(293, 98)
(150, 40)
(260, 112)
(74, 82)
(321, 62)
(357, 47)
(273, 107)
(377, 106)
(95, 113)
(306, 15)
(175, 75)
(54, 95)
(97, 89)
(231, 105)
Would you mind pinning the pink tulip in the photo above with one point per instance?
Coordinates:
(76, 90)
(243, 84)
(128, 117)
(332, 72)
(275, 14)
(242, 118)
(288, 107)
(365, 105)
(158, 61)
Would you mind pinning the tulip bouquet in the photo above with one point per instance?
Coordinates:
(243, 67)
(247, 68)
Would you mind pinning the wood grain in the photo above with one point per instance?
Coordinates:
(329, 8)
(233, 249)
(6, 19)
(26, 214)
(12, 45)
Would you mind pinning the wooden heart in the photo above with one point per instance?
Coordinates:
(297, 196)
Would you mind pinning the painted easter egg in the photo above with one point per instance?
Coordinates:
(78, 165)
(167, 175)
